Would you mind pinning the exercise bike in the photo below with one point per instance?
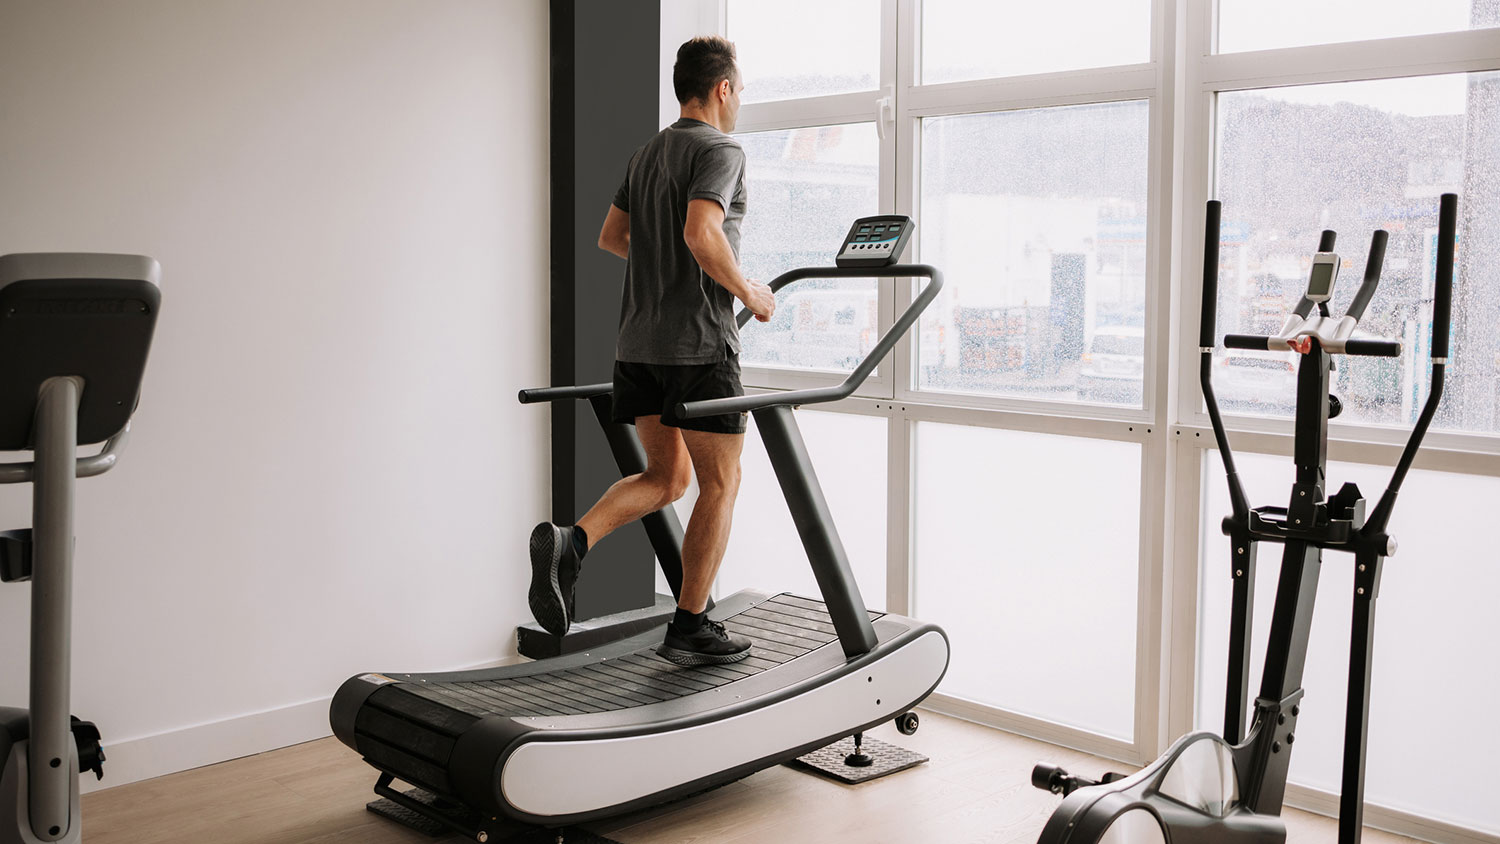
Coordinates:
(1230, 788)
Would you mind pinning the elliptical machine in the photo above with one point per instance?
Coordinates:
(75, 330)
(1210, 788)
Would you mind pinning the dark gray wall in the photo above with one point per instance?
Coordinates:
(611, 79)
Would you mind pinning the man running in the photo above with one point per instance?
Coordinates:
(676, 222)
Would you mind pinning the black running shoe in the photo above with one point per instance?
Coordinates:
(554, 577)
(710, 644)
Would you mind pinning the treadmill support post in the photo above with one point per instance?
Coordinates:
(825, 551)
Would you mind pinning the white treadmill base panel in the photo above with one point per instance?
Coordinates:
(549, 778)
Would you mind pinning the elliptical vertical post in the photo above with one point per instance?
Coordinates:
(49, 753)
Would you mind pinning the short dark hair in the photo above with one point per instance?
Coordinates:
(702, 64)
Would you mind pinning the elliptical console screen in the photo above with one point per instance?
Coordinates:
(875, 241)
(1325, 270)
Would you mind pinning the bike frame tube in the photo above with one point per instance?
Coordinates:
(49, 778)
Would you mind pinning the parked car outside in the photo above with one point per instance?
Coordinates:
(1113, 369)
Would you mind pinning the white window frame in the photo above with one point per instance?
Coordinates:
(1180, 83)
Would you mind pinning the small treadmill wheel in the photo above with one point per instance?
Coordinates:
(907, 723)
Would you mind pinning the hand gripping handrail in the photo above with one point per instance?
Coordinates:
(817, 395)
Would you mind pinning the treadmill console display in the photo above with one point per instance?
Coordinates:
(875, 241)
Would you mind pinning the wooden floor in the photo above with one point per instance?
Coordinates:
(975, 789)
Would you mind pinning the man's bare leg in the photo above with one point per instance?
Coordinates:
(556, 552)
(668, 470)
(691, 638)
(716, 460)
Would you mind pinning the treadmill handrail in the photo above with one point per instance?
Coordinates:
(537, 395)
(818, 395)
(88, 467)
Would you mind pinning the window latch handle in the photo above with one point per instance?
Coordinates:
(885, 110)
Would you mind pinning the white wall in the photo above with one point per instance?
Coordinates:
(330, 472)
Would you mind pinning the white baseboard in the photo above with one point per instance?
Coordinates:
(135, 759)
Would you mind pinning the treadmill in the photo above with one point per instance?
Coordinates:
(586, 736)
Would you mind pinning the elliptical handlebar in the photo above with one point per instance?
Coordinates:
(1366, 348)
(1238, 503)
(1442, 314)
(1334, 335)
(1210, 277)
(1442, 307)
(817, 395)
(1373, 266)
(1442, 303)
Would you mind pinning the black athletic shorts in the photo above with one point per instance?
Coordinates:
(649, 389)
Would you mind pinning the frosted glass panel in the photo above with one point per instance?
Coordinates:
(1038, 220)
(1040, 608)
(1435, 642)
(791, 48)
(806, 187)
(1384, 151)
(765, 553)
(1269, 24)
(979, 39)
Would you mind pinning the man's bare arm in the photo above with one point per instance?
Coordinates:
(614, 238)
(704, 233)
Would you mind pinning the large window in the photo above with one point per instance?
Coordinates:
(1028, 468)
(1268, 24)
(1382, 152)
(988, 524)
(1039, 216)
(792, 48)
(807, 185)
(964, 40)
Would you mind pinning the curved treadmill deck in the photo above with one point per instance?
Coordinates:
(588, 735)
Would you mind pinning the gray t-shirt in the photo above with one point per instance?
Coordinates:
(672, 312)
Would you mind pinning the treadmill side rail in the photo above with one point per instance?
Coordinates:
(672, 762)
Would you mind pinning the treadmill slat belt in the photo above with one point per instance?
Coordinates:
(404, 734)
(806, 624)
(595, 674)
(609, 695)
(398, 700)
(758, 662)
(654, 681)
(533, 691)
(805, 640)
(592, 699)
(495, 701)
(639, 665)
(404, 765)
(782, 628)
(801, 603)
(506, 700)
(767, 640)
